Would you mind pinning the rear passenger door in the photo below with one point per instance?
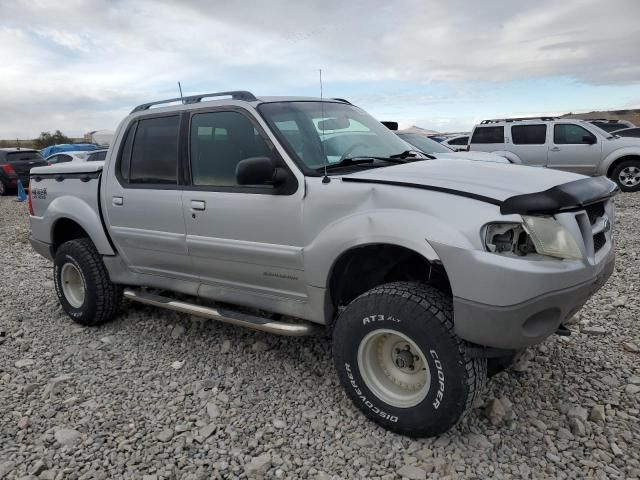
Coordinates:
(575, 149)
(245, 241)
(143, 199)
(529, 143)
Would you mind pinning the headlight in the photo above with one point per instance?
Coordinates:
(544, 235)
(551, 238)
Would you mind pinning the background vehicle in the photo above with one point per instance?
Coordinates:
(97, 155)
(610, 125)
(439, 150)
(627, 132)
(455, 141)
(21, 160)
(8, 177)
(68, 147)
(564, 144)
(67, 157)
(297, 207)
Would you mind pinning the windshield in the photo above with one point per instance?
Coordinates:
(320, 133)
(423, 143)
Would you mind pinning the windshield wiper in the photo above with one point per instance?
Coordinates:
(369, 159)
(413, 154)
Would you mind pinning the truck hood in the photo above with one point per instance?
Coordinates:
(487, 179)
(626, 142)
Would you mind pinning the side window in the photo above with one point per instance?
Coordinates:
(96, 157)
(488, 135)
(569, 133)
(218, 141)
(459, 141)
(529, 134)
(154, 156)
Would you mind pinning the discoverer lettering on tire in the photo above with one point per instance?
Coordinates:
(364, 399)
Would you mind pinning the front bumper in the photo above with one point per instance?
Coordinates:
(527, 323)
(512, 303)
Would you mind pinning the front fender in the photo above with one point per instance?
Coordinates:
(603, 168)
(512, 157)
(408, 229)
(76, 209)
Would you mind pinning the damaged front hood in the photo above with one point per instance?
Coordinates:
(486, 179)
(514, 188)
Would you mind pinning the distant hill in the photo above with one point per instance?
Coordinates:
(632, 115)
(416, 129)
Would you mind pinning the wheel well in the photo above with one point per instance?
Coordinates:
(617, 161)
(65, 230)
(363, 268)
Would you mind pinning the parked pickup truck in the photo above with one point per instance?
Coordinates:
(426, 273)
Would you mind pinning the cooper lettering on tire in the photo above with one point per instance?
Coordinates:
(413, 376)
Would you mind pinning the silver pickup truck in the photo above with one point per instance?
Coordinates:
(300, 215)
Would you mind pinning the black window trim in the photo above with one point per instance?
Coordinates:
(288, 188)
(484, 127)
(556, 125)
(132, 129)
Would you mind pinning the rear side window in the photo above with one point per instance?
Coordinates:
(154, 154)
(568, 133)
(96, 157)
(488, 135)
(459, 141)
(529, 134)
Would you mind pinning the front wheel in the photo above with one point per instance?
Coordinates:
(401, 363)
(627, 175)
(83, 285)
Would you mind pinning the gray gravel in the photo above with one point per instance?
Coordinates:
(156, 394)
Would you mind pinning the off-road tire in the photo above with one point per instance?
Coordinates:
(615, 174)
(425, 315)
(102, 298)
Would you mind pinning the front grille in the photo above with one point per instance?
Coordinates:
(594, 212)
(599, 240)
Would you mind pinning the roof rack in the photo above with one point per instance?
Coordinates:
(234, 94)
(498, 120)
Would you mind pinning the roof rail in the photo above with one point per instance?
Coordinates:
(234, 94)
(608, 120)
(342, 100)
(498, 120)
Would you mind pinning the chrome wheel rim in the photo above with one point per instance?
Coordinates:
(73, 286)
(630, 176)
(394, 368)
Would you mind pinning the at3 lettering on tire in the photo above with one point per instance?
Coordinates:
(401, 363)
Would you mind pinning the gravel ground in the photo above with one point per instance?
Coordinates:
(156, 394)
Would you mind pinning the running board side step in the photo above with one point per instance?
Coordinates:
(228, 316)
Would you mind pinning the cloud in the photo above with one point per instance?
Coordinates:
(82, 65)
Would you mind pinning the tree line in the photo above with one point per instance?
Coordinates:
(45, 139)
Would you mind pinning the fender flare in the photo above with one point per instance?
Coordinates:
(391, 227)
(76, 209)
(616, 155)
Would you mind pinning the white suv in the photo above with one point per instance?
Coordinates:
(564, 144)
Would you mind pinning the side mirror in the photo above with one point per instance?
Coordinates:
(590, 139)
(259, 171)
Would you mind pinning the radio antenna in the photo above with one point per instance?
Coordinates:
(181, 97)
(325, 179)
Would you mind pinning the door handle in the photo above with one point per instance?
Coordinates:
(198, 205)
(117, 201)
(555, 149)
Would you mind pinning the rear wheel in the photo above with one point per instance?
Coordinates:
(627, 175)
(401, 363)
(83, 285)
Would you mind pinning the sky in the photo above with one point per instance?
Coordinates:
(79, 66)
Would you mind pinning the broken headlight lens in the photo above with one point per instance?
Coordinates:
(551, 238)
(544, 235)
(508, 238)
